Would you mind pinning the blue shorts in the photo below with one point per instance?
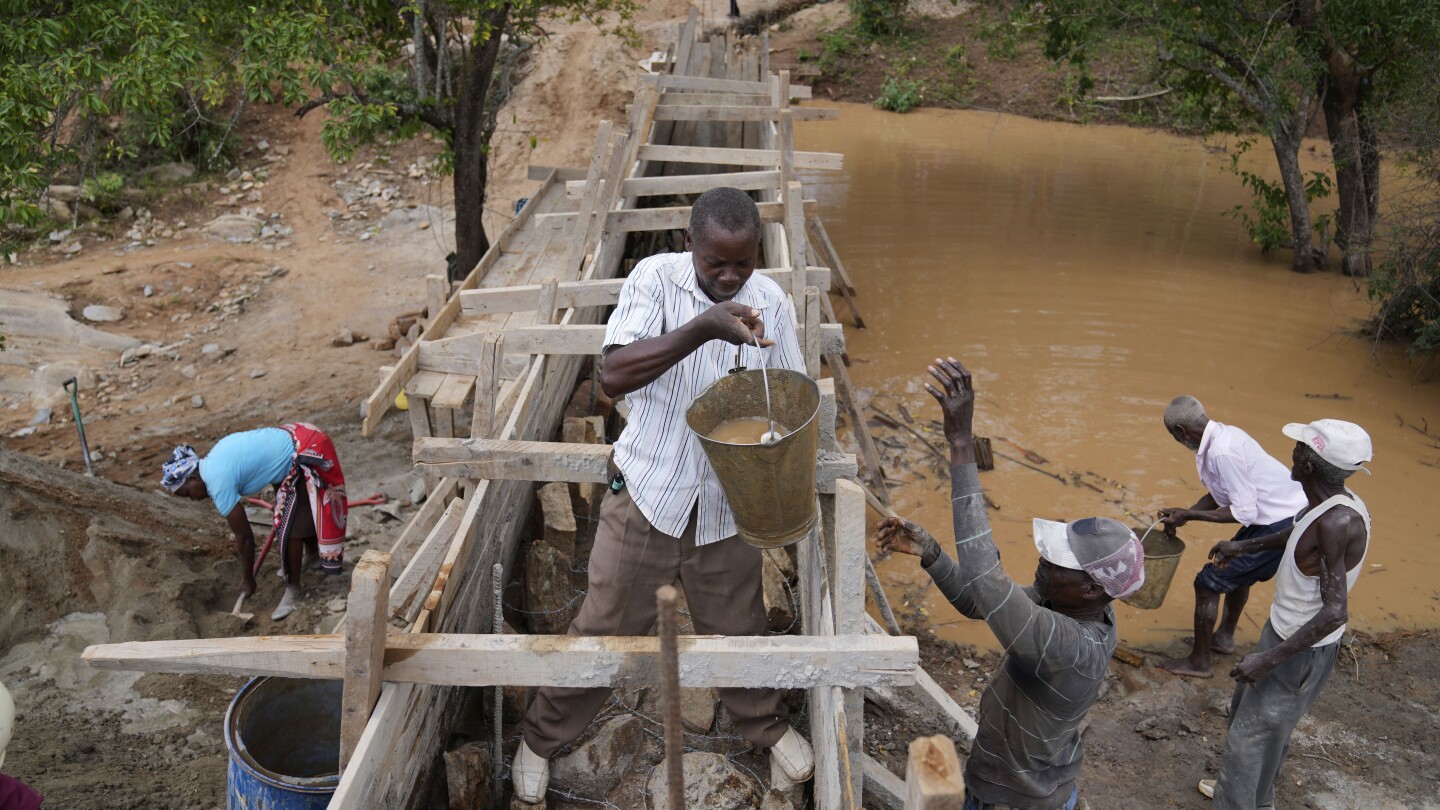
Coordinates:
(1247, 569)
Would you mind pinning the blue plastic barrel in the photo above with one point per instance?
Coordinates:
(283, 735)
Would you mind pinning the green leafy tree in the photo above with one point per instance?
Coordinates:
(1271, 66)
(159, 68)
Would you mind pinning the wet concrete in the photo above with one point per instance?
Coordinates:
(1087, 276)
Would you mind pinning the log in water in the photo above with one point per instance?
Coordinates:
(745, 430)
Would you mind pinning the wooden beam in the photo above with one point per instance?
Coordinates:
(581, 224)
(364, 651)
(419, 575)
(934, 779)
(672, 218)
(768, 158)
(809, 305)
(740, 112)
(516, 460)
(747, 662)
(723, 85)
(685, 184)
(487, 385)
(883, 788)
(563, 174)
(933, 691)
(600, 293)
(437, 291)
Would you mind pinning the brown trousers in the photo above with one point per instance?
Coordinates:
(631, 559)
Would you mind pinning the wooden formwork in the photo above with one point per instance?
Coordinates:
(506, 347)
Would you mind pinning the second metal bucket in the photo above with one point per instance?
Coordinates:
(1162, 557)
(771, 489)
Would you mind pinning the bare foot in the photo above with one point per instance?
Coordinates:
(1186, 667)
(1223, 644)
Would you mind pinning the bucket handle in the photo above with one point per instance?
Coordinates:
(1151, 529)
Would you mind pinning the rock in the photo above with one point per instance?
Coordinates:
(263, 145)
(418, 493)
(595, 767)
(557, 516)
(697, 708)
(67, 194)
(210, 348)
(383, 345)
(336, 605)
(234, 228)
(148, 291)
(99, 313)
(71, 249)
(60, 211)
(548, 595)
(41, 417)
(1189, 725)
(779, 601)
(168, 172)
(126, 215)
(970, 663)
(189, 372)
(467, 775)
(128, 357)
(1156, 734)
(775, 800)
(1218, 703)
(345, 338)
(257, 373)
(197, 401)
(711, 781)
(87, 212)
(1147, 724)
(781, 784)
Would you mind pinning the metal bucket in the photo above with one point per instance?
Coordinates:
(771, 489)
(1162, 557)
(283, 735)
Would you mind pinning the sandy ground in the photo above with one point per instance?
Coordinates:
(247, 328)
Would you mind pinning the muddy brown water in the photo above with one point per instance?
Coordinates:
(1087, 276)
(745, 430)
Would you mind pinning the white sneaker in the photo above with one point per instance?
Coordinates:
(794, 756)
(1207, 788)
(531, 774)
(288, 603)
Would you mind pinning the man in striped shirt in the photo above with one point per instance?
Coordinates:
(678, 326)
(1058, 633)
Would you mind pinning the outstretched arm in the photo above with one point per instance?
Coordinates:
(244, 546)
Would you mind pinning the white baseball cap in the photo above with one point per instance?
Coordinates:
(1344, 444)
(1105, 549)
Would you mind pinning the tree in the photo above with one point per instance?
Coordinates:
(1271, 66)
(66, 68)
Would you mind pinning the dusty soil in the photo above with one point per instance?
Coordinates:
(248, 328)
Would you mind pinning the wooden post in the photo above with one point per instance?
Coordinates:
(795, 238)
(984, 457)
(933, 776)
(487, 385)
(665, 598)
(811, 333)
(545, 312)
(848, 583)
(365, 626)
(437, 290)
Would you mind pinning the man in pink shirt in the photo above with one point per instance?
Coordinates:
(1244, 485)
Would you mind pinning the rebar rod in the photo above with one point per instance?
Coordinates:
(497, 762)
(665, 598)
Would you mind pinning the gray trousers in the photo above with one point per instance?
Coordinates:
(630, 560)
(1262, 716)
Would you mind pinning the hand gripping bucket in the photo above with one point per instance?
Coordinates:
(771, 489)
(1162, 556)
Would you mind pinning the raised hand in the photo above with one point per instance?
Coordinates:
(907, 537)
(956, 396)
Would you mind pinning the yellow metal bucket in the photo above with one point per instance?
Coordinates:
(1162, 557)
(771, 489)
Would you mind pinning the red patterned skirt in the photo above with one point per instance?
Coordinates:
(317, 469)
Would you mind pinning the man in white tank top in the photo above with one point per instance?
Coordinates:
(1281, 678)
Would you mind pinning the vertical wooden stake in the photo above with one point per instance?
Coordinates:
(665, 598)
(811, 333)
(365, 627)
(487, 385)
(437, 292)
(795, 238)
(933, 776)
(545, 312)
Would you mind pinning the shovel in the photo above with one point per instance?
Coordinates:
(240, 601)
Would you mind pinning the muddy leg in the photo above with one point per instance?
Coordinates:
(1197, 664)
(1223, 641)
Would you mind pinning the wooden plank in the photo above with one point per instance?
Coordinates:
(454, 392)
(418, 391)
(845, 395)
(849, 570)
(768, 158)
(673, 217)
(934, 779)
(685, 44)
(581, 224)
(563, 174)
(437, 290)
(601, 293)
(884, 789)
(364, 647)
(516, 460)
(452, 659)
(826, 253)
(685, 184)
(832, 255)
(419, 575)
(420, 525)
(707, 85)
(740, 112)
(809, 305)
(487, 385)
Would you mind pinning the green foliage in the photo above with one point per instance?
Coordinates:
(1006, 34)
(102, 189)
(879, 18)
(900, 94)
(1267, 219)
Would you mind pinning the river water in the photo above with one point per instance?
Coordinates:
(1086, 275)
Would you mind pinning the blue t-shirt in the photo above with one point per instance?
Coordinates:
(244, 463)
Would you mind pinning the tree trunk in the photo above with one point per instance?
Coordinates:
(1353, 226)
(1286, 141)
(471, 142)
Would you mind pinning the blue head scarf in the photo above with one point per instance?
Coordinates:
(182, 464)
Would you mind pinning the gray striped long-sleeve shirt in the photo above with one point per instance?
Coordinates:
(1027, 751)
